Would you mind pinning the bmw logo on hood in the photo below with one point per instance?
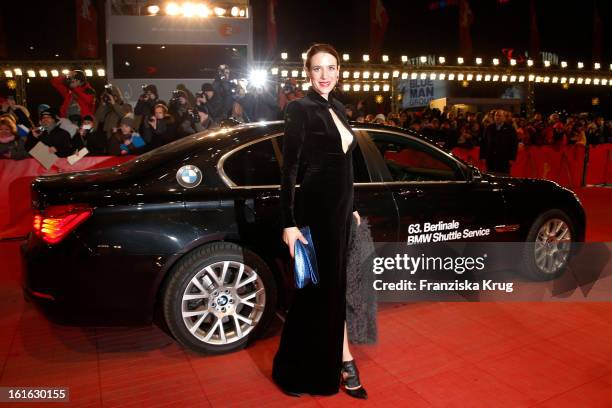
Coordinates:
(189, 176)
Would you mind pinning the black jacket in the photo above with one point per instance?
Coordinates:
(94, 140)
(499, 146)
(57, 137)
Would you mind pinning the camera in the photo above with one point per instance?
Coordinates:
(194, 117)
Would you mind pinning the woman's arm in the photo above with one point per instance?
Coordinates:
(295, 119)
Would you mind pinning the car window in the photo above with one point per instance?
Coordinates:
(260, 164)
(411, 160)
(255, 165)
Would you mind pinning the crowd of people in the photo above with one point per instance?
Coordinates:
(108, 125)
(452, 129)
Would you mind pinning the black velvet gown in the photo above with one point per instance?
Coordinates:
(309, 358)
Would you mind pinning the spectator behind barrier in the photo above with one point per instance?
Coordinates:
(51, 134)
(125, 140)
(11, 145)
(500, 144)
(20, 113)
(205, 121)
(111, 110)
(79, 96)
(90, 137)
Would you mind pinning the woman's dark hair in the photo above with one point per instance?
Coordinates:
(317, 48)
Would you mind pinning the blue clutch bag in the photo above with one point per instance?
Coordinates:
(305, 261)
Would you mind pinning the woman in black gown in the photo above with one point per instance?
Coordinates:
(313, 356)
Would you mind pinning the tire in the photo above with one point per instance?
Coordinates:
(219, 317)
(548, 245)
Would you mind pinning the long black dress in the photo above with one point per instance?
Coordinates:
(309, 358)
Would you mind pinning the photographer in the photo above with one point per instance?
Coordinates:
(146, 102)
(289, 92)
(260, 104)
(159, 128)
(211, 100)
(51, 134)
(224, 90)
(111, 110)
(182, 113)
(79, 96)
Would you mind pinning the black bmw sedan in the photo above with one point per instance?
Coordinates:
(192, 229)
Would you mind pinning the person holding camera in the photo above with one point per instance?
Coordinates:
(288, 93)
(214, 104)
(79, 96)
(259, 104)
(183, 114)
(111, 110)
(145, 105)
(159, 128)
(51, 134)
(90, 137)
(224, 89)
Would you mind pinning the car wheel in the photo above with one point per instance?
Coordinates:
(219, 297)
(549, 245)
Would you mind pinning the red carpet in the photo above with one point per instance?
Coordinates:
(428, 355)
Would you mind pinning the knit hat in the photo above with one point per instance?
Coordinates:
(128, 120)
(49, 112)
(207, 87)
(43, 107)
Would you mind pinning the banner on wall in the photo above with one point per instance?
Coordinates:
(419, 92)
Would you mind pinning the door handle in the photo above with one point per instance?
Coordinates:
(411, 193)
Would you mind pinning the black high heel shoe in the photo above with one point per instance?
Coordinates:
(351, 383)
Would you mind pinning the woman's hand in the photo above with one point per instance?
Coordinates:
(357, 217)
(292, 234)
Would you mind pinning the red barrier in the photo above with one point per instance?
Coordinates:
(564, 165)
(15, 180)
(471, 156)
(599, 166)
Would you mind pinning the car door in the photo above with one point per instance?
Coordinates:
(436, 199)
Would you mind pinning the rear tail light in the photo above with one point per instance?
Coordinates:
(55, 222)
